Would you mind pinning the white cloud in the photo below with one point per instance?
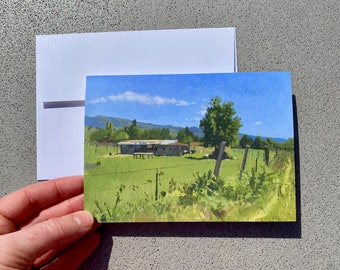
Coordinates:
(163, 100)
(131, 96)
(203, 111)
(258, 123)
(183, 103)
(98, 100)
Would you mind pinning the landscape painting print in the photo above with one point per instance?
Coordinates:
(190, 148)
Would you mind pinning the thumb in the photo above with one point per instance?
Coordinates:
(47, 238)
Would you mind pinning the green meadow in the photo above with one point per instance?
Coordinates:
(119, 188)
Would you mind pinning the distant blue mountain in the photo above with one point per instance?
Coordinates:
(118, 123)
(100, 121)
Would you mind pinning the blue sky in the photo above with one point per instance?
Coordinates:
(263, 100)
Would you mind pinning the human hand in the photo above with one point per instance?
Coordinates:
(43, 225)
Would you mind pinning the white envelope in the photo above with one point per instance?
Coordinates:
(64, 61)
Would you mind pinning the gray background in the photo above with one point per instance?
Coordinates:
(298, 36)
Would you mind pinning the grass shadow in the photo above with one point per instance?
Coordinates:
(197, 158)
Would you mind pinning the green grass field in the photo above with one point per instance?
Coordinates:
(119, 188)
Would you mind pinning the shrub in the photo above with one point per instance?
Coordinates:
(203, 186)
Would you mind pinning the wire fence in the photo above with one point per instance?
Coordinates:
(254, 154)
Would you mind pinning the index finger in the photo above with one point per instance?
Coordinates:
(21, 204)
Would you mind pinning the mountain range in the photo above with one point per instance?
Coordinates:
(100, 122)
(118, 123)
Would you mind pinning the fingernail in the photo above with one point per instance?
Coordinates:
(83, 219)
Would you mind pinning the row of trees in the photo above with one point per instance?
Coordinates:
(110, 135)
(259, 143)
(134, 132)
(220, 123)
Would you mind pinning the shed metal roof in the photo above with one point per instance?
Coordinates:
(147, 142)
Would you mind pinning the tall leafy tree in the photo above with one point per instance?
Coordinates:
(185, 136)
(103, 134)
(271, 143)
(99, 135)
(258, 143)
(220, 123)
(120, 135)
(288, 145)
(133, 131)
(155, 133)
(109, 129)
(246, 140)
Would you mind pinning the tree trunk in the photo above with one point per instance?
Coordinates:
(214, 154)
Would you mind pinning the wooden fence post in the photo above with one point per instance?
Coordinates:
(244, 160)
(266, 155)
(257, 158)
(156, 193)
(219, 159)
